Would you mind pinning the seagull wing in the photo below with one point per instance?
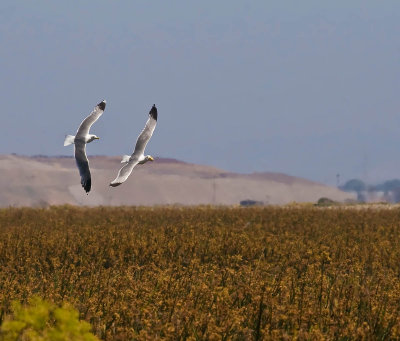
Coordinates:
(124, 172)
(83, 129)
(146, 133)
(83, 165)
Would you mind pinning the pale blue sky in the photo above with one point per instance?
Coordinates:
(308, 88)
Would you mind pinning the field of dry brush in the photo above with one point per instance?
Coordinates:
(209, 273)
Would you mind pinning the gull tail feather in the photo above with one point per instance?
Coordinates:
(125, 158)
(69, 139)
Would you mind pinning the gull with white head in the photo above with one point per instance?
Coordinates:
(138, 156)
(80, 140)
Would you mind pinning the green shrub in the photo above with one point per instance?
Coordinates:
(42, 321)
(326, 202)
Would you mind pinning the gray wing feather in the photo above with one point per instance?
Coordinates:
(83, 165)
(146, 133)
(124, 172)
(84, 127)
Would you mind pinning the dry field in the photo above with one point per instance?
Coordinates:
(209, 273)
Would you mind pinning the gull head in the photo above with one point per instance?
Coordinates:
(92, 138)
(149, 158)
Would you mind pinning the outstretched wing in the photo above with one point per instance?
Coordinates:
(83, 129)
(83, 165)
(124, 172)
(146, 133)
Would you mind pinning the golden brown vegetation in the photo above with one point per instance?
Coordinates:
(204, 273)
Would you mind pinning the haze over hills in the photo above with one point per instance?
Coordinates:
(43, 181)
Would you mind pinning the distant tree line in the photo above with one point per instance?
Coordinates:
(389, 188)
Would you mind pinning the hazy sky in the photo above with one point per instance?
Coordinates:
(308, 88)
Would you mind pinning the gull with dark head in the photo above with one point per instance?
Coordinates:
(138, 156)
(80, 140)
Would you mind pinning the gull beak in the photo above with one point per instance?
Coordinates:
(97, 138)
(151, 158)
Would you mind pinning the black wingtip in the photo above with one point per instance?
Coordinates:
(87, 185)
(153, 112)
(102, 105)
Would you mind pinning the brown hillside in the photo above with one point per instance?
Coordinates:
(41, 181)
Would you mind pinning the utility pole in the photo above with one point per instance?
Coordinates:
(214, 196)
(365, 167)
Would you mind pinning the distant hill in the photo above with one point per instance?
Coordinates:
(42, 181)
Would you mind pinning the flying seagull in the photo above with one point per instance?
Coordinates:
(80, 139)
(138, 156)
